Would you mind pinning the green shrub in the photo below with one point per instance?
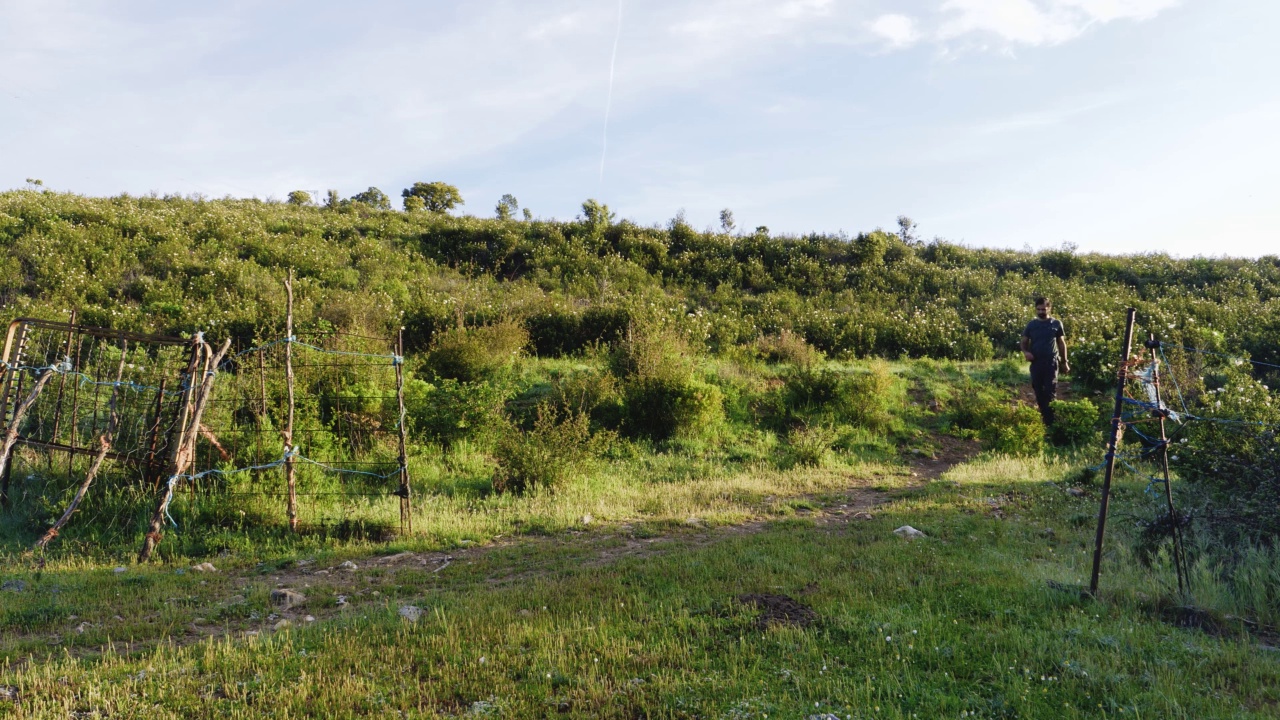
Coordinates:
(591, 393)
(449, 410)
(660, 408)
(650, 353)
(808, 388)
(476, 354)
(1018, 430)
(811, 445)
(871, 397)
(1074, 423)
(788, 347)
(544, 456)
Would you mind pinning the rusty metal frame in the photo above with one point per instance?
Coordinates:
(25, 323)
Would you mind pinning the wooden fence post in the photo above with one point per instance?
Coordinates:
(1117, 427)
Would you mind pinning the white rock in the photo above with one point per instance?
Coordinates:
(908, 532)
(204, 567)
(348, 566)
(587, 519)
(282, 625)
(120, 569)
(309, 618)
(412, 613)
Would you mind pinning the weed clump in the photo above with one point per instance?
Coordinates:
(545, 455)
(476, 354)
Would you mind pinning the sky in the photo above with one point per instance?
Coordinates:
(1119, 126)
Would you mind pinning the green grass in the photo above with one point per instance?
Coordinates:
(960, 624)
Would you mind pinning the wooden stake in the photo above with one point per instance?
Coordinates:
(1179, 558)
(150, 477)
(406, 508)
(1117, 428)
(11, 434)
(289, 477)
(185, 452)
(104, 442)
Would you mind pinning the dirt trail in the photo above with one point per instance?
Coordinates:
(358, 588)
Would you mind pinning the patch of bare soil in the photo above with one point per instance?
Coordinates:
(779, 610)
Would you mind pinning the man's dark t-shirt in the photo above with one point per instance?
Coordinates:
(1044, 336)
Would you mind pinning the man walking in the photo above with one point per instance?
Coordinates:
(1044, 345)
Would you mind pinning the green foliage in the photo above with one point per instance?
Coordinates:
(437, 197)
(476, 354)
(544, 456)
(663, 407)
(374, 198)
(1003, 425)
(448, 410)
(300, 198)
(871, 397)
(597, 215)
(1074, 422)
(810, 445)
(790, 348)
(507, 207)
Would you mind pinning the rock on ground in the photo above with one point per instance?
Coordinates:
(284, 599)
(909, 533)
(411, 613)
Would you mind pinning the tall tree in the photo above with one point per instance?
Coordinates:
(507, 207)
(726, 220)
(373, 197)
(436, 196)
(301, 198)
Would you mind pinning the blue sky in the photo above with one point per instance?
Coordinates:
(1116, 125)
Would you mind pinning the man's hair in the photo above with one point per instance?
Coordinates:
(1043, 301)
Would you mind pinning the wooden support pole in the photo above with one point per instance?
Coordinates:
(1117, 428)
(11, 433)
(1179, 558)
(289, 471)
(104, 442)
(12, 371)
(150, 478)
(62, 384)
(406, 508)
(75, 405)
(185, 453)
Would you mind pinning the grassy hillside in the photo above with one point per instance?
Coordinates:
(656, 473)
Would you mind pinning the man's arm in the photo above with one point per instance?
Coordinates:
(1024, 346)
(1062, 353)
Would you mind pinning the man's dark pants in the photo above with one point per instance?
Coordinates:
(1044, 381)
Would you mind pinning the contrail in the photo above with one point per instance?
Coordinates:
(608, 103)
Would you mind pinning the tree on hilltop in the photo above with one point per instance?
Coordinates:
(436, 196)
(374, 198)
(507, 207)
(301, 198)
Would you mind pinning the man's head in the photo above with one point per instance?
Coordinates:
(1043, 306)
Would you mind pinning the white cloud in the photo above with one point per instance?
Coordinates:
(898, 30)
(1032, 22)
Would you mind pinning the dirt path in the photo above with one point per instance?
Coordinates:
(373, 582)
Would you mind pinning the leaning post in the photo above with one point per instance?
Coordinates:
(406, 509)
(1179, 558)
(289, 470)
(1117, 427)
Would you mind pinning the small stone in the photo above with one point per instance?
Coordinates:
(251, 634)
(824, 716)
(303, 563)
(321, 572)
(120, 569)
(204, 567)
(342, 600)
(13, 586)
(398, 557)
(284, 599)
(199, 621)
(1075, 492)
(236, 600)
(309, 618)
(117, 618)
(587, 519)
(73, 618)
(693, 521)
(82, 627)
(348, 566)
(412, 613)
(9, 693)
(909, 533)
(864, 515)
(282, 625)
